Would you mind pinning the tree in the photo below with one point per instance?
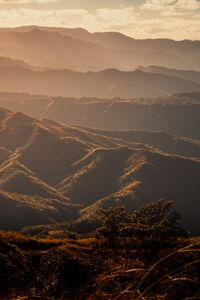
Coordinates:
(150, 227)
(157, 223)
(111, 234)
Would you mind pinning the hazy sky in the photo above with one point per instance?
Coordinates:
(178, 19)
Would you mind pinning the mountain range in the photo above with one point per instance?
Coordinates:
(186, 75)
(92, 120)
(52, 172)
(80, 50)
(16, 76)
(76, 63)
(178, 115)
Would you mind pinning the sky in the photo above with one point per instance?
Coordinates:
(176, 19)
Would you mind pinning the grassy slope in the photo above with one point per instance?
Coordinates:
(69, 269)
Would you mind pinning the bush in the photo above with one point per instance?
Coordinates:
(157, 223)
(150, 227)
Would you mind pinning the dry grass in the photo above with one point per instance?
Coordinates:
(175, 275)
(70, 269)
(34, 268)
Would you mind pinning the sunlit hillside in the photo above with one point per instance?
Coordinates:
(58, 172)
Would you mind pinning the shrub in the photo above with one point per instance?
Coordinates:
(150, 227)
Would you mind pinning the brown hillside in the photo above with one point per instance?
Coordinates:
(178, 115)
(54, 170)
(132, 178)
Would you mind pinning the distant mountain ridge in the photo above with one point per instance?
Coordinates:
(79, 50)
(17, 76)
(184, 74)
(178, 115)
(11, 63)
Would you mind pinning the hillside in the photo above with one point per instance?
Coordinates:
(178, 115)
(34, 268)
(184, 74)
(16, 178)
(78, 49)
(54, 50)
(109, 83)
(131, 177)
(52, 172)
(100, 168)
(6, 62)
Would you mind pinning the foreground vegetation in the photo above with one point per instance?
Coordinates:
(145, 255)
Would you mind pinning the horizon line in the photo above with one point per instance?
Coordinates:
(96, 32)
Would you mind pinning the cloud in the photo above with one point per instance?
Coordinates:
(101, 19)
(115, 17)
(156, 5)
(173, 28)
(169, 23)
(26, 1)
(160, 5)
(172, 9)
(188, 4)
(45, 17)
